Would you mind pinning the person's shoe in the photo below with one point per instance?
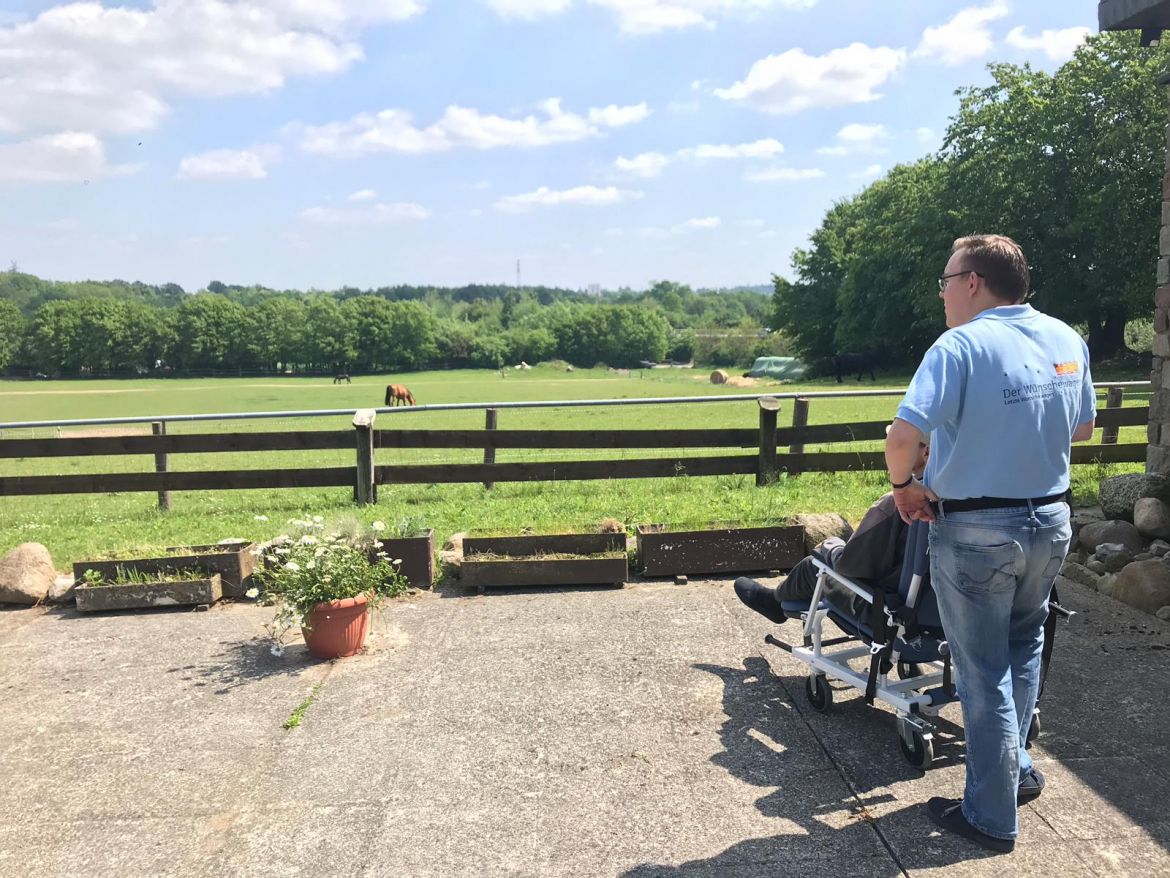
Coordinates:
(948, 814)
(760, 598)
(1031, 786)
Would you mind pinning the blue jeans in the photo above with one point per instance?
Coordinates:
(992, 571)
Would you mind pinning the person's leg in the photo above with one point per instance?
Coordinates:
(1048, 546)
(799, 585)
(975, 563)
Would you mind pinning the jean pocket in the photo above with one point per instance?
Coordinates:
(988, 569)
(1059, 549)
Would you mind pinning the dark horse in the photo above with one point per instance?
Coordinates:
(847, 364)
(397, 393)
(341, 376)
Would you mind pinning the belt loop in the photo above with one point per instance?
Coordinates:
(942, 513)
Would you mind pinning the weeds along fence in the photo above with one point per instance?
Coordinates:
(764, 450)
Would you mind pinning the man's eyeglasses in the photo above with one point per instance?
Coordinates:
(943, 278)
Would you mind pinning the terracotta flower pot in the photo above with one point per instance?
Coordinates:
(338, 628)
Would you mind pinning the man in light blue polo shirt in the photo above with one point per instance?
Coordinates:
(1003, 394)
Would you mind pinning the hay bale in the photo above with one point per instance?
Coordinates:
(718, 377)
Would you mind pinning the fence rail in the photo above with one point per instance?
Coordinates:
(766, 463)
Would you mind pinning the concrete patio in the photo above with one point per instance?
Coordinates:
(638, 732)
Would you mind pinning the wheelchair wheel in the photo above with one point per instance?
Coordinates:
(1033, 731)
(907, 670)
(919, 754)
(820, 696)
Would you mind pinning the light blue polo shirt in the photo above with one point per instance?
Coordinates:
(1000, 396)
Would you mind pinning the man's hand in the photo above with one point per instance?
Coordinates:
(913, 502)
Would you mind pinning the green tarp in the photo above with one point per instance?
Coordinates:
(777, 367)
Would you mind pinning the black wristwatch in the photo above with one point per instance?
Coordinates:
(903, 484)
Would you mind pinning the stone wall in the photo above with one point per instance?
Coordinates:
(1158, 430)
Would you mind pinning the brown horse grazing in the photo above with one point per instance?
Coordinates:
(397, 393)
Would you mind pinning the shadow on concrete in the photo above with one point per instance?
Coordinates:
(240, 663)
(768, 743)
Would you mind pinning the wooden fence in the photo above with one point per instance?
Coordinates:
(776, 449)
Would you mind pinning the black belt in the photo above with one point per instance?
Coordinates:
(975, 504)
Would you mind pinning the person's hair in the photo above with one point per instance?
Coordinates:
(1000, 261)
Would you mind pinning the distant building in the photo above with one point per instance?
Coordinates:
(593, 290)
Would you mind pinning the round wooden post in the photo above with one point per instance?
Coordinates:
(766, 471)
(1112, 401)
(489, 451)
(365, 489)
(159, 428)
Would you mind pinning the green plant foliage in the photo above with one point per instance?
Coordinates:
(300, 572)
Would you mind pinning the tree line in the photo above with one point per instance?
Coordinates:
(120, 328)
(1070, 164)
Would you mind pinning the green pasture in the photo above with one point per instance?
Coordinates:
(79, 526)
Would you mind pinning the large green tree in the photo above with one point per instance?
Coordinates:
(1070, 164)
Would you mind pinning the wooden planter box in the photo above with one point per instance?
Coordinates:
(520, 560)
(234, 562)
(417, 554)
(666, 552)
(94, 599)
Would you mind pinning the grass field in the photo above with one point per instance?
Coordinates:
(79, 526)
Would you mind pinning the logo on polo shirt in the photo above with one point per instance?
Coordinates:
(1069, 368)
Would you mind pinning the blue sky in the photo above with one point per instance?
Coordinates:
(321, 143)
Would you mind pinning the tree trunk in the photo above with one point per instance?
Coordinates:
(1107, 340)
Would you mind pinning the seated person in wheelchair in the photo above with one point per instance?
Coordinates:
(873, 553)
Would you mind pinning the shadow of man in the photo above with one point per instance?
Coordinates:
(828, 827)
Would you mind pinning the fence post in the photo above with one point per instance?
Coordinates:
(766, 471)
(799, 419)
(365, 491)
(489, 452)
(1112, 401)
(159, 428)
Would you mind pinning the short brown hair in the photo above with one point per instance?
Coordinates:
(1000, 261)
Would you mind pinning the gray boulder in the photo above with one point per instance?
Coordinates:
(26, 574)
(1079, 573)
(1120, 494)
(820, 526)
(1095, 566)
(1158, 548)
(1152, 518)
(1107, 583)
(1114, 556)
(1145, 585)
(1114, 531)
(1163, 614)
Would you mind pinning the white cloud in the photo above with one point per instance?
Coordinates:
(640, 17)
(783, 175)
(393, 130)
(856, 138)
(362, 195)
(795, 81)
(378, 213)
(871, 172)
(67, 157)
(528, 9)
(963, 38)
(592, 196)
(614, 116)
(223, 164)
(706, 222)
(759, 149)
(646, 164)
(85, 66)
(752, 223)
(1058, 45)
(924, 135)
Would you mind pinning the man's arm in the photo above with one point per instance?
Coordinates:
(913, 499)
(1084, 431)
